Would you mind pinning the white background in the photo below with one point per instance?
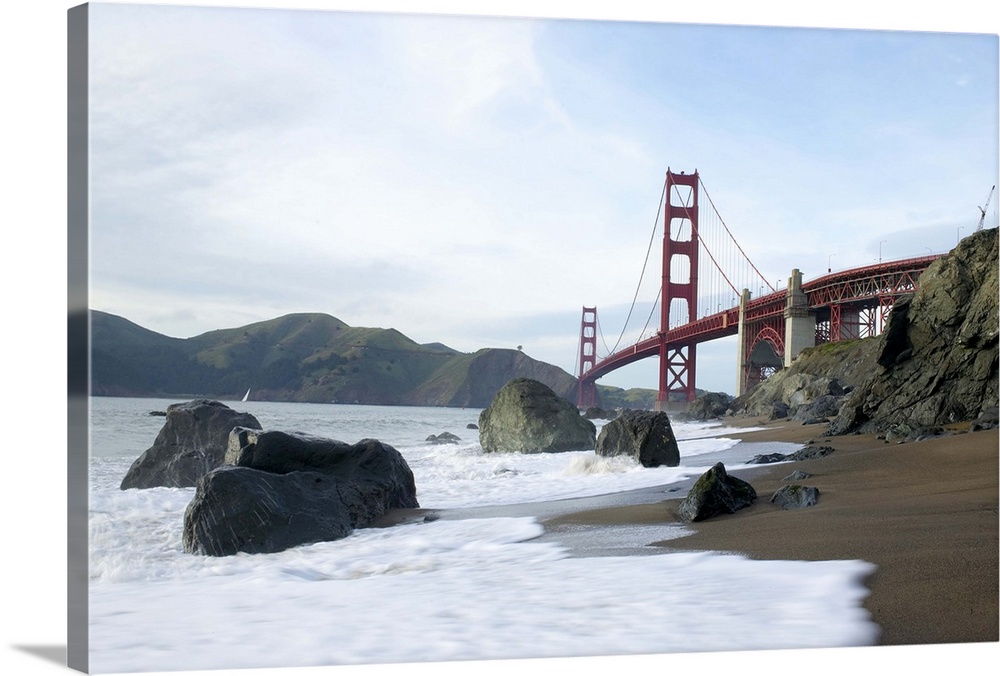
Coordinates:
(33, 371)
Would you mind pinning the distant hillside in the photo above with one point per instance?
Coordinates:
(307, 357)
(634, 397)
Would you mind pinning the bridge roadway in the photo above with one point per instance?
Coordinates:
(826, 297)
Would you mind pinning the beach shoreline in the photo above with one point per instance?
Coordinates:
(924, 512)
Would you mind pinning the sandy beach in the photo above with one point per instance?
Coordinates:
(925, 513)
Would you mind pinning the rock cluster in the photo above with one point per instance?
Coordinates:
(444, 438)
(279, 490)
(526, 416)
(796, 395)
(192, 441)
(262, 491)
(644, 435)
(716, 492)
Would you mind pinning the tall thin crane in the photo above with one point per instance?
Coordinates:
(982, 209)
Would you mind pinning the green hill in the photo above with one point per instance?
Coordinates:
(307, 357)
(473, 379)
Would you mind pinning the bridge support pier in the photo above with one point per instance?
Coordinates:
(741, 345)
(586, 395)
(800, 324)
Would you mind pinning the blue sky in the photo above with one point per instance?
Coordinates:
(477, 181)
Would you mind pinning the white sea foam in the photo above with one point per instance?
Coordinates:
(449, 589)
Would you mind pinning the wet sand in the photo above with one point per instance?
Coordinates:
(924, 512)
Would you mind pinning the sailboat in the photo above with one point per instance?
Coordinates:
(246, 396)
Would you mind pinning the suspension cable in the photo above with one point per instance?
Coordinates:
(652, 311)
(649, 248)
(747, 258)
(600, 332)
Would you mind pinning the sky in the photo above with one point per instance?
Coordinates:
(476, 181)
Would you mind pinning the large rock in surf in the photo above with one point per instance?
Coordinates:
(715, 493)
(192, 442)
(279, 490)
(526, 416)
(644, 435)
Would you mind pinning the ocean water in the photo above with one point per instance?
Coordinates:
(485, 581)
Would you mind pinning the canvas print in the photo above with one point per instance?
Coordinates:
(416, 338)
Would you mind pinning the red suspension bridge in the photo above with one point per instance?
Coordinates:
(704, 267)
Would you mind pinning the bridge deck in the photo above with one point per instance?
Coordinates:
(871, 283)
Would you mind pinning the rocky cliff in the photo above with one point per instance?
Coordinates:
(819, 375)
(934, 364)
(936, 360)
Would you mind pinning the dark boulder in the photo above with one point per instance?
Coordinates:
(644, 435)
(815, 421)
(823, 407)
(797, 475)
(904, 431)
(716, 493)
(988, 419)
(807, 453)
(237, 509)
(810, 453)
(794, 496)
(526, 416)
(279, 490)
(709, 406)
(597, 413)
(192, 441)
(443, 438)
(767, 458)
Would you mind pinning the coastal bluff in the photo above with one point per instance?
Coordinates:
(934, 364)
(937, 357)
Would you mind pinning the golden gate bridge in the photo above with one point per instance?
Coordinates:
(706, 293)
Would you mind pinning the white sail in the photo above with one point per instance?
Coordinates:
(246, 396)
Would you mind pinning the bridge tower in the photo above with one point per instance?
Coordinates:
(679, 282)
(586, 393)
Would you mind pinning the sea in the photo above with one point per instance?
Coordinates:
(483, 580)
